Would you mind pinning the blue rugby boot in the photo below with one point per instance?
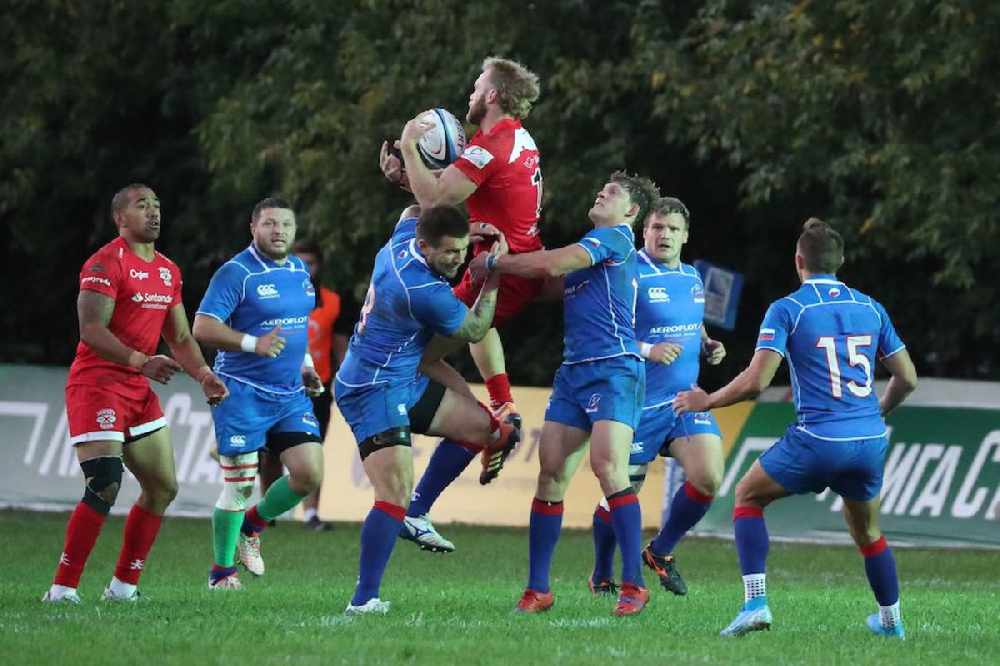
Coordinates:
(754, 616)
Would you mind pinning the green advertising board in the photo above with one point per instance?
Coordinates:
(941, 485)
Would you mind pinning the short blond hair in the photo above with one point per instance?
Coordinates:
(516, 85)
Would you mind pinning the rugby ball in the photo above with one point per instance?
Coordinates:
(444, 142)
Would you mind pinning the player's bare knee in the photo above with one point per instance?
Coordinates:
(103, 479)
(706, 481)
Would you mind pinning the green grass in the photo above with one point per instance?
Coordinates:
(456, 609)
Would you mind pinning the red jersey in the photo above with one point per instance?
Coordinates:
(505, 166)
(143, 292)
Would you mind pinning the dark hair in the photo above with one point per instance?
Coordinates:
(309, 246)
(668, 206)
(640, 190)
(269, 202)
(516, 85)
(821, 247)
(439, 221)
(120, 201)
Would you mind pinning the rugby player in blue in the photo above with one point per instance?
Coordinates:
(832, 336)
(256, 312)
(670, 313)
(382, 389)
(597, 392)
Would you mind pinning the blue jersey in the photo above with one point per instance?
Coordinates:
(599, 302)
(251, 293)
(671, 308)
(407, 303)
(831, 336)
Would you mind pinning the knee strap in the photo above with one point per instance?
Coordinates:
(103, 479)
(238, 475)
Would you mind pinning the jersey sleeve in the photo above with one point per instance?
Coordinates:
(437, 308)
(178, 287)
(480, 160)
(225, 292)
(101, 274)
(606, 243)
(889, 341)
(774, 330)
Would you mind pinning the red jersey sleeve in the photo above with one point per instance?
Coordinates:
(102, 274)
(480, 159)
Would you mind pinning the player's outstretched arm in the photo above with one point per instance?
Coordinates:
(210, 331)
(748, 384)
(177, 335)
(540, 264)
(902, 383)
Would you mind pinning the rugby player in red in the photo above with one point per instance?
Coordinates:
(499, 178)
(130, 296)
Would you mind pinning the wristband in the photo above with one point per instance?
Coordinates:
(645, 349)
(491, 262)
(307, 361)
(249, 343)
(137, 359)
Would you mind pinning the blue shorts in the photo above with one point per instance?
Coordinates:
(245, 419)
(659, 426)
(804, 464)
(607, 390)
(376, 408)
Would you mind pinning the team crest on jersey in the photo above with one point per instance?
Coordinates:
(106, 418)
(478, 155)
(834, 292)
(595, 400)
(308, 287)
(658, 295)
(698, 293)
(267, 291)
(166, 276)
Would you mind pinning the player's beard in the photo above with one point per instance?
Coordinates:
(476, 112)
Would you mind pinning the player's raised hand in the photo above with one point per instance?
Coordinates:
(713, 351)
(391, 164)
(214, 389)
(312, 382)
(416, 127)
(665, 352)
(270, 345)
(695, 400)
(160, 368)
(482, 231)
(477, 268)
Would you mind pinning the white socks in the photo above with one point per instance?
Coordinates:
(310, 514)
(889, 615)
(754, 585)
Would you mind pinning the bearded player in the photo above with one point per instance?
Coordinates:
(130, 296)
(499, 178)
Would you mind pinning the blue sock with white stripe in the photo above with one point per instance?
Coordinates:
(447, 463)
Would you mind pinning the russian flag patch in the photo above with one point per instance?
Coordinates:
(766, 335)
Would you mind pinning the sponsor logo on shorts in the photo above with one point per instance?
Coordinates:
(90, 279)
(106, 418)
(402, 409)
(766, 335)
(595, 401)
(138, 275)
(478, 156)
(636, 447)
(310, 420)
(166, 276)
(267, 291)
(698, 293)
(238, 440)
(658, 295)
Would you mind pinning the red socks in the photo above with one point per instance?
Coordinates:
(141, 528)
(81, 534)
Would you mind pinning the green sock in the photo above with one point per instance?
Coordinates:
(279, 499)
(225, 532)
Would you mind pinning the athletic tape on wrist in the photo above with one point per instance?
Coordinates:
(249, 343)
(645, 349)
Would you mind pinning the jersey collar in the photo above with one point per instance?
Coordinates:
(659, 265)
(823, 278)
(513, 123)
(267, 262)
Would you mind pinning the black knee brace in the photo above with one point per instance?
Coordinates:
(100, 474)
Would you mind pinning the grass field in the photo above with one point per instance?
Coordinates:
(457, 608)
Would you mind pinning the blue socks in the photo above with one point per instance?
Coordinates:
(378, 536)
(447, 462)
(543, 534)
(751, 539)
(687, 508)
(626, 519)
(604, 545)
(880, 566)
